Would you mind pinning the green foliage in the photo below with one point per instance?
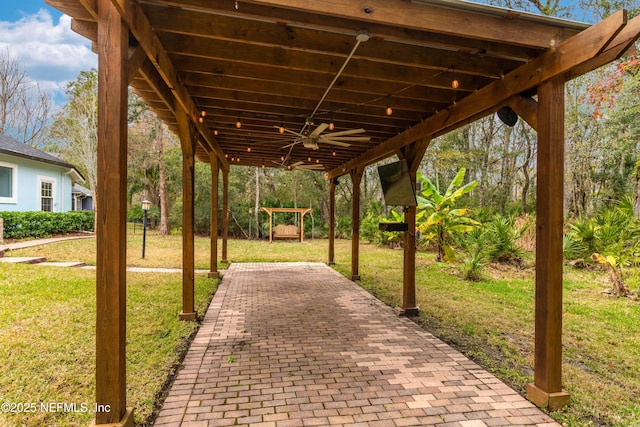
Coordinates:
(614, 231)
(476, 258)
(502, 235)
(441, 220)
(21, 225)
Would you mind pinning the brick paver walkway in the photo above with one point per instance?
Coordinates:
(297, 344)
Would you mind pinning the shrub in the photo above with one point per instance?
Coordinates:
(503, 236)
(21, 225)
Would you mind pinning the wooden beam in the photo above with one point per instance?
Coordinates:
(187, 142)
(525, 107)
(433, 18)
(332, 221)
(111, 219)
(215, 173)
(137, 57)
(574, 52)
(225, 213)
(141, 28)
(546, 391)
(413, 154)
(356, 178)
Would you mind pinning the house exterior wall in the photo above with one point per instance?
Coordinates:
(30, 174)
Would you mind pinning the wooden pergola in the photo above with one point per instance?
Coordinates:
(226, 75)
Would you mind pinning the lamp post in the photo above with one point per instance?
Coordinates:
(145, 207)
(250, 213)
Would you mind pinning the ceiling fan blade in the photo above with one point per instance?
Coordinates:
(290, 131)
(317, 131)
(332, 142)
(291, 145)
(293, 165)
(346, 132)
(345, 138)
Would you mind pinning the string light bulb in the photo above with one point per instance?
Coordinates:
(309, 159)
(454, 83)
(331, 125)
(201, 119)
(333, 154)
(238, 123)
(248, 149)
(282, 158)
(203, 113)
(215, 131)
(389, 110)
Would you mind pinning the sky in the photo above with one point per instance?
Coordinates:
(41, 38)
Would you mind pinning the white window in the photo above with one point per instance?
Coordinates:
(8, 183)
(47, 193)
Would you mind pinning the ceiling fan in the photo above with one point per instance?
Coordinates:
(311, 139)
(300, 165)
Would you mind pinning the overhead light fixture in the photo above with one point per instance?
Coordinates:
(203, 113)
(317, 160)
(333, 154)
(201, 119)
(309, 159)
(226, 156)
(281, 128)
(282, 158)
(331, 125)
(248, 149)
(389, 110)
(215, 131)
(454, 83)
(238, 123)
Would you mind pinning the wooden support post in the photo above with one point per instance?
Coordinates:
(332, 221)
(111, 219)
(301, 227)
(225, 213)
(356, 177)
(546, 391)
(215, 172)
(413, 154)
(187, 142)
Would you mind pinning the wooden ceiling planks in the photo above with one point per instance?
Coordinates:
(269, 62)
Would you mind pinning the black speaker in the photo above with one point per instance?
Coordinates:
(508, 116)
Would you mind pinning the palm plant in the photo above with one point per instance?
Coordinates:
(441, 218)
(503, 236)
(475, 245)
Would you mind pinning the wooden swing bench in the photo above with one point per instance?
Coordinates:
(282, 231)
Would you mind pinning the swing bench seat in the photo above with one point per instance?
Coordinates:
(282, 231)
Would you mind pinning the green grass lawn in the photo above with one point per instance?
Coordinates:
(491, 321)
(47, 339)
